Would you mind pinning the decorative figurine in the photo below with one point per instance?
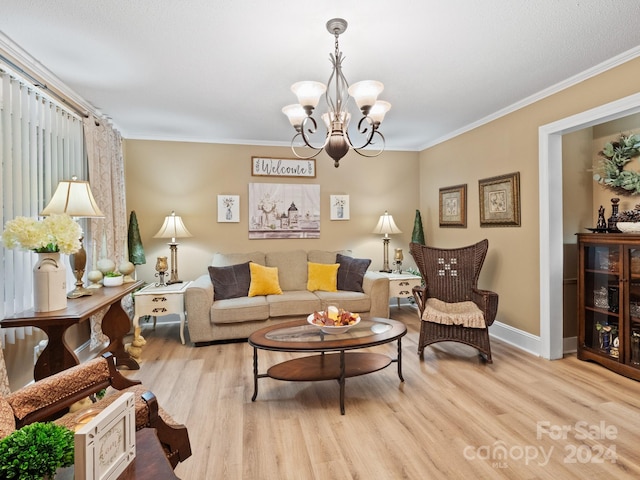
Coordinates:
(602, 223)
(613, 219)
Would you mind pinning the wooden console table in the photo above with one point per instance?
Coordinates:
(57, 355)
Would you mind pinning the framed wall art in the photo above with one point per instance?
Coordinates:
(339, 205)
(229, 208)
(283, 167)
(453, 206)
(278, 210)
(500, 201)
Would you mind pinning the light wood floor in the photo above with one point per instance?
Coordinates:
(453, 417)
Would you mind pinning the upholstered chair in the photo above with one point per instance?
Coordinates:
(49, 399)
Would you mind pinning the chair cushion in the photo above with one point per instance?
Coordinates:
(7, 420)
(264, 280)
(322, 276)
(466, 314)
(351, 272)
(232, 281)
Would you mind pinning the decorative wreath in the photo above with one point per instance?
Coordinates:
(611, 171)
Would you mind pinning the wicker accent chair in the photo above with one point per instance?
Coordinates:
(452, 308)
(49, 399)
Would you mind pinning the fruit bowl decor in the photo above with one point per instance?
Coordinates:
(333, 320)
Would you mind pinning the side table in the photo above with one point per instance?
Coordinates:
(401, 285)
(160, 300)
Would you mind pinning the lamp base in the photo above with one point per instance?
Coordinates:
(79, 292)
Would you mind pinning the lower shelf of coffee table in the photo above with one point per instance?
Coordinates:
(327, 366)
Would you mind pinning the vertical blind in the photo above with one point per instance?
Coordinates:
(41, 143)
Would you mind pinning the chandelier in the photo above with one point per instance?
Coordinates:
(337, 141)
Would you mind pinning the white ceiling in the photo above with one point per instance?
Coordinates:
(220, 70)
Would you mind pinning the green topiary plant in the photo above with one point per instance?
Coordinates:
(35, 451)
(418, 232)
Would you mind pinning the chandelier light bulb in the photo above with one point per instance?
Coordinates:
(308, 93)
(365, 93)
(295, 113)
(378, 111)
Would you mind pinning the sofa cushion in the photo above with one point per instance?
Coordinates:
(227, 259)
(264, 280)
(230, 282)
(322, 276)
(236, 310)
(292, 268)
(351, 301)
(351, 272)
(297, 302)
(323, 256)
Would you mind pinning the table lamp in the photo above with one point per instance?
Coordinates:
(173, 227)
(74, 198)
(386, 226)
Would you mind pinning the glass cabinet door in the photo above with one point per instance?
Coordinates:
(632, 335)
(602, 299)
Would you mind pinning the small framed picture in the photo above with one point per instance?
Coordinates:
(500, 201)
(339, 207)
(229, 208)
(453, 206)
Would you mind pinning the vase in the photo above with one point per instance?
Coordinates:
(49, 283)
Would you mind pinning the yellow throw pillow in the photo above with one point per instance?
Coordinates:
(322, 276)
(264, 280)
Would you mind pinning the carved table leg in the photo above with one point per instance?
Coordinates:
(116, 325)
(53, 360)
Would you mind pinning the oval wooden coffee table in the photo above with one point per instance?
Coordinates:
(333, 361)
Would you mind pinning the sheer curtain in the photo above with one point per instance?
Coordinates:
(106, 170)
(41, 143)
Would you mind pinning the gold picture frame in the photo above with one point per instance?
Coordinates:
(500, 201)
(453, 206)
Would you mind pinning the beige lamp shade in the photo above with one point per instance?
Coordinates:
(173, 227)
(74, 198)
(386, 225)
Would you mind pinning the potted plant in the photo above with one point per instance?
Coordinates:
(112, 279)
(36, 451)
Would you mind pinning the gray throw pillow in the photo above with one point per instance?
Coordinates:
(230, 282)
(351, 272)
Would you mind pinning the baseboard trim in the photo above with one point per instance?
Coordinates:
(526, 341)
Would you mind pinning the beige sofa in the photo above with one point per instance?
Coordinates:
(209, 319)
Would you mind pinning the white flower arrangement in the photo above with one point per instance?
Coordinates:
(56, 233)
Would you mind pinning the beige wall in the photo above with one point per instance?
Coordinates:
(187, 177)
(502, 146)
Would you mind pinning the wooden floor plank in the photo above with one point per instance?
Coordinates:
(453, 416)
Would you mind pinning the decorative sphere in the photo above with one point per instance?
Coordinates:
(94, 276)
(105, 265)
(126, 268)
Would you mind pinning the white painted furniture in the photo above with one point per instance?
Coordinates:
(161, 300)
(401, 284)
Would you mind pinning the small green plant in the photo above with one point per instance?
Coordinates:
(36, 450)
(113, 274)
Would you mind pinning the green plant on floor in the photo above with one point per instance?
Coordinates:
(35, 451)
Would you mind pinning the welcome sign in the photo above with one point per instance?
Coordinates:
(283, 167)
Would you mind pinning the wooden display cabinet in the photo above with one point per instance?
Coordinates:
(609, 301)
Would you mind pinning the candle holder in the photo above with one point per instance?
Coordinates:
(161, 267)
(398, 257)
